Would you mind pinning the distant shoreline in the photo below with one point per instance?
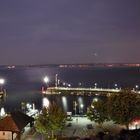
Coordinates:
(104, 65)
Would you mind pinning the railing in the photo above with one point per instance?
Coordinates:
(79, 91)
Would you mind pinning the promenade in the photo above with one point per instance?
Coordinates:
(83, 127)
(78, 127)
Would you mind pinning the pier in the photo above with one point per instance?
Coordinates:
(79, 91)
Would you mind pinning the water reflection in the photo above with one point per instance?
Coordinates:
(74, 104)
(65, 103)
(2, 112)
(45, 102)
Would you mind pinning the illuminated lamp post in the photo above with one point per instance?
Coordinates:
(2, 112)
(45, 101)
(95, 85)
(136, 87)
(46, 80)
(116, 86)
(69, 85)
(2, 81)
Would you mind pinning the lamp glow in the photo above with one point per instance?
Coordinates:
(46, 79)
(2, 81)
(46, 102)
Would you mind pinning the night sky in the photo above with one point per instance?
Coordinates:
(69, 31)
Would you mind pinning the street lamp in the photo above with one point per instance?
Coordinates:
(137, 86)
(46, 79)
(95, 85)
(2, 81)
(69, 85)
(115, 86)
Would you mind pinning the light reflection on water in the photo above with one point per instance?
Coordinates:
(24, 84)
(67, 103)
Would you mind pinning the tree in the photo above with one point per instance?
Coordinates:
(97, 111)
(51, 120)
(123, 107)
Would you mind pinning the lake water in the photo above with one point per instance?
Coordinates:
(24, 84)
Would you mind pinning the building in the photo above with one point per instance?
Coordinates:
(13, 125)
(8, 128)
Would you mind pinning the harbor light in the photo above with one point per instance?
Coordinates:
(116, 86)
(2, 81)
(46, 79)
(137, 86)
(69, 85)
(95, 85)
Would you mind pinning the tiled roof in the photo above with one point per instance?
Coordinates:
(21, 119)
(8, 124)
(15, 122)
